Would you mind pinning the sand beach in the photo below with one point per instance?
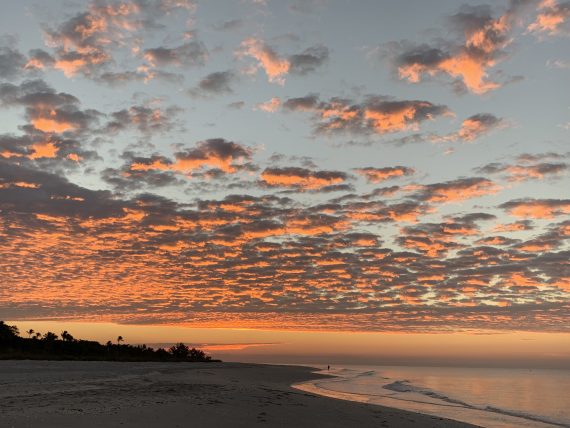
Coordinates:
(89, 394)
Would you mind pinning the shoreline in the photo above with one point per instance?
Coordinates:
(450, 409)
(92, 394)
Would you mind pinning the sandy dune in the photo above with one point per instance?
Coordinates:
(61, 394)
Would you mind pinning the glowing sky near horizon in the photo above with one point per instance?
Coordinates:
(304, 165)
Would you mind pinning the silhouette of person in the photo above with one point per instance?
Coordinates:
(328, 367)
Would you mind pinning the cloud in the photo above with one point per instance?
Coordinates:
(49, 151)
(230, 25)
(274, 66)
(309, 60)
(514, 227)
(236, 105)
(146, 119)
(456, 190)
(473, 128)
(537, 208)
(553, 18)
(11, 63)
(377, 175)
(270, 106)
(216, 234)
(192, 53)
(15, 146)
(225, 157)
(142, 74)
(48, 111)
(50, 194)
(143, 174)
(85, 42)
(301, 178)
(277, 67)
(242, 254)
(523, 172)
(374, 115)
(216, 152)
(485, 40)
(39, 59)
(219, 82)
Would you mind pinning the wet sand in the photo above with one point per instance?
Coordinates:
(62, 394)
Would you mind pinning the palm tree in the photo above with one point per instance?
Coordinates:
(8, 332)
(66, 336)
(30, 332)
(38, 335)
(120, 339)
(50, 337)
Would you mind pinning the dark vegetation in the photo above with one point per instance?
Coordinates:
(50, 346)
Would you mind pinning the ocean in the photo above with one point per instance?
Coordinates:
(494, 397)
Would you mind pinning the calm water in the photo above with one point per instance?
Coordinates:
(505, 398)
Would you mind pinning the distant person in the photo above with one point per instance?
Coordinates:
(328, 368)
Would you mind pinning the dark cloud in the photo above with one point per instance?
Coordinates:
(127, 179)
(230, 25)
(236, 105)
(49, 194)
(216, 83)
(193, 53)
(47, 110)
(144, 75)
(308, 60)
(11, 63)
(146, 119)
(222, 154)
(525, 171)
(15, 146)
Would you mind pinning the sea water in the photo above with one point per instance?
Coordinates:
(497, 398)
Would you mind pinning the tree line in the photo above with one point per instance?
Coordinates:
(50, 346)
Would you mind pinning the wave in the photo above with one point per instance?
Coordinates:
(406, 386)
(368, 373)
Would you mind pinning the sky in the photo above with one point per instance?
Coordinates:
(304, 167)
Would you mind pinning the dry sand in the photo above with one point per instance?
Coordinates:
(82, 394)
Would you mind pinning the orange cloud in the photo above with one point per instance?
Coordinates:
(524, 171)
(46, 149)
(485, 39)
(218, 153)
(21, 184)
(537, 208)
(375, 115)
(275, 67)
(513, 227)
(48, 121)
(301, 178)
(270, 106)
(551, 19)
(473, 128)
(377, 175)
(458, 190)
